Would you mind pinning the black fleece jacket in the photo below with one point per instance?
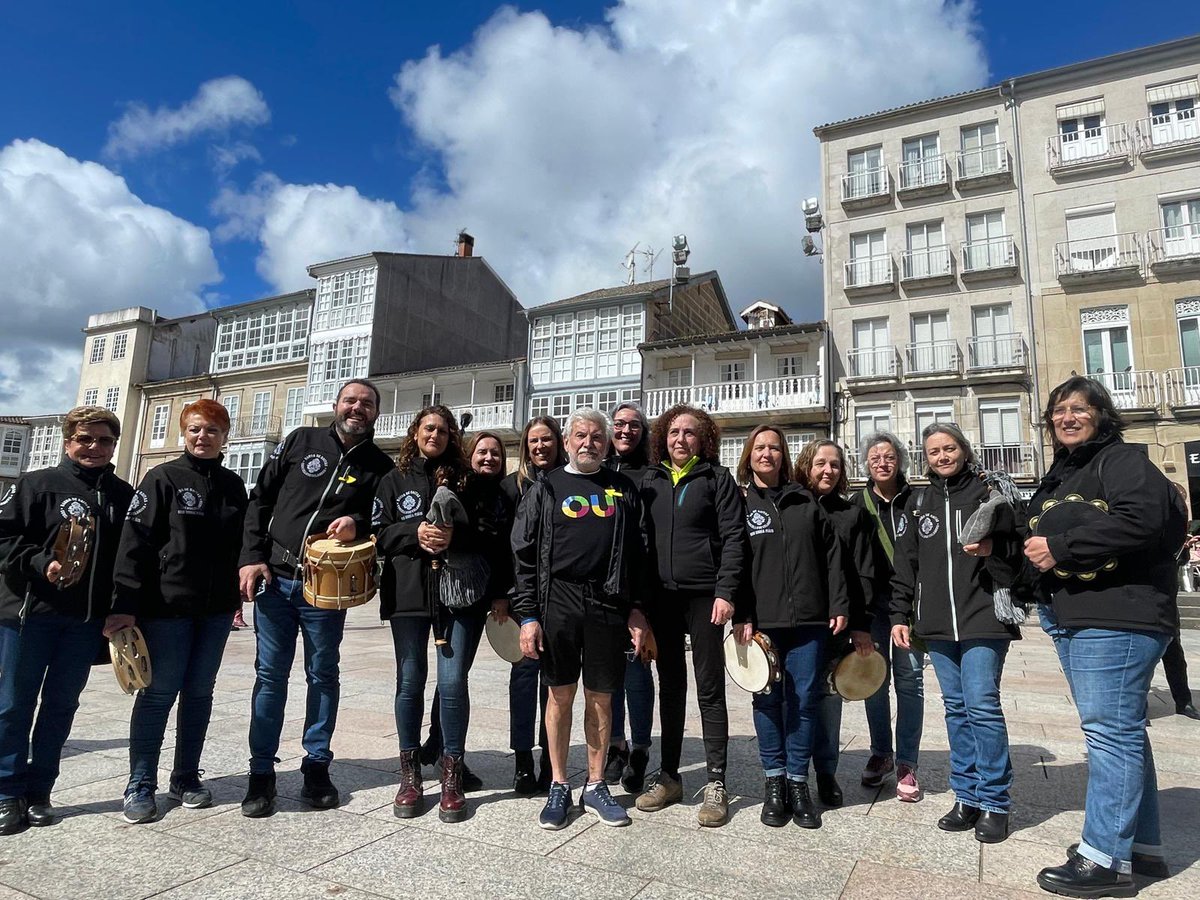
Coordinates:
(1144, 528)
(887, 515)
(696, 530)
(31, 512)
(855, 527)
(178, 555)
(949, 592)
(310, 480)
(797, 575)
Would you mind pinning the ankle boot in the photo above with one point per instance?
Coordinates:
(453, 806)
(633, 779)
(960, 818)
(408, 796)
(546, 773)
(991, 827)
(804, 811)
(525, 780)
(260, 796)
(775, 810)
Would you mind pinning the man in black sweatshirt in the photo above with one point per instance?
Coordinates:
(49, 631)
(319, 481)
(579, 566)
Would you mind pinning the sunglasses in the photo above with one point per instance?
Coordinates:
(87, 440)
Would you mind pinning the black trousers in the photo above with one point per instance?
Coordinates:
(1175, 668)
(676, 615)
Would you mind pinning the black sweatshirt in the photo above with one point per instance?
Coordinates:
(696, 530)
(948, 592)
(310, 480)
(796, 567)
(30, 515)
(179, 549)
(1145, 526)
(856, 528)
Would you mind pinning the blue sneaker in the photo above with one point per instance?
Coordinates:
(558, 806)
(139, 804)
(599, 801)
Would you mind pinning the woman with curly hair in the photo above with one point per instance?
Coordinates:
(431, 457)
(697, 531)
(821, 467)
(541, 451)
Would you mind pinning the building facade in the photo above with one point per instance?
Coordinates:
(982, 247)
(14, 450)
(584, 350)
(774, 372)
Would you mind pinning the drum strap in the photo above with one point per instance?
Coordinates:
(884, 538)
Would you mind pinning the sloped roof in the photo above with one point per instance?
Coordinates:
(621, 292)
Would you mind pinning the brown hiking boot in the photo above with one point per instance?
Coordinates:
(409, 795)
(714, 811)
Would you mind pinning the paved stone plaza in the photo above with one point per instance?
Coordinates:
(875, 847)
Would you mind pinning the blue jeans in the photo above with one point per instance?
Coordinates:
(906, 667)
(1109, 673)
(639, 689)
(981, 774)
(281, 614)
(186, 654)
(786, 718)
(50, 655)
(410, 637)
(525, 694)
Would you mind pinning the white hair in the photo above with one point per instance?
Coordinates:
(886, 437)
(588, 414)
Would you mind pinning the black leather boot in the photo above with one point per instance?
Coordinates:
(1143, 863)
(525, 781)
(991, 827)
(39, 811)
(633, 779)
(775, 810)
(804, 811)
(1080, 877)
(318, 791)
(260, 796)
(829, 791)
(12, 815)
(960, 818)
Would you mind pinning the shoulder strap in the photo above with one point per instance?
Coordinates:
(884, 539)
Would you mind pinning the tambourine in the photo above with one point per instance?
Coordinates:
(754, 665)
(1060, 516)
(505, 638)
(73, 549)
(857, 677)
(130, 659)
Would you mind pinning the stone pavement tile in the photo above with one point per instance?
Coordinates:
(88, 857)
(500, 819)
(712, 860)
(254, 878)
(1015, 863)
(296, 837)
(7, 893)
(361, 789)
(379, 722)
(368, 750)
(85, 768)
(872, 881)
(105, 798)
(657, 890)
(418, 863)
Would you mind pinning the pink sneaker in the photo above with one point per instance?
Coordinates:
(908, 789)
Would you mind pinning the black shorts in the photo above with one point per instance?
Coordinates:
(581, 635)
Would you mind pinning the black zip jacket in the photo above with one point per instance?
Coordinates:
(624, 587)
(310, 480)
(634, 472)
(492, 522)
(887, 515)
(1143, 530)
(948, 592)
(696, 530)
(30, 515)
(796, 567)
(400, 507)
(855, 527)
(178, 556)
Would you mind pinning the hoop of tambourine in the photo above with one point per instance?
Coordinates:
(131, 659)
(1060, 516)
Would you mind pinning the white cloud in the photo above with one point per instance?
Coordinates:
(219, 105)
(74, 240)
(301, 224)
(560, 147)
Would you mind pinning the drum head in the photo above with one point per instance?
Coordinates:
(1073, 511)
(747, 665)
(505, 638)
(859, 677)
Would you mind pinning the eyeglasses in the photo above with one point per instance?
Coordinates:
(881, 460)
(1079, 412)
(627, 426)
(88, 440)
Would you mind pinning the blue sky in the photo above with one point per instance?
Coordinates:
(559, 132)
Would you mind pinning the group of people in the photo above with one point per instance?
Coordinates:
(616, 545)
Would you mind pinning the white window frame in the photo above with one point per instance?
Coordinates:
(158, 425)
(98, 344)
(293, 412)
(91, 397)
(112, 398)
(120, 345)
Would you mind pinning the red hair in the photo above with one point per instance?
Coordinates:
(210, 410)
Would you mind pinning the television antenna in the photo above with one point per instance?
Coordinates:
(630, 264)
(651, 255)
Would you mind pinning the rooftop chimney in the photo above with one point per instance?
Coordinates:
(466, 245)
